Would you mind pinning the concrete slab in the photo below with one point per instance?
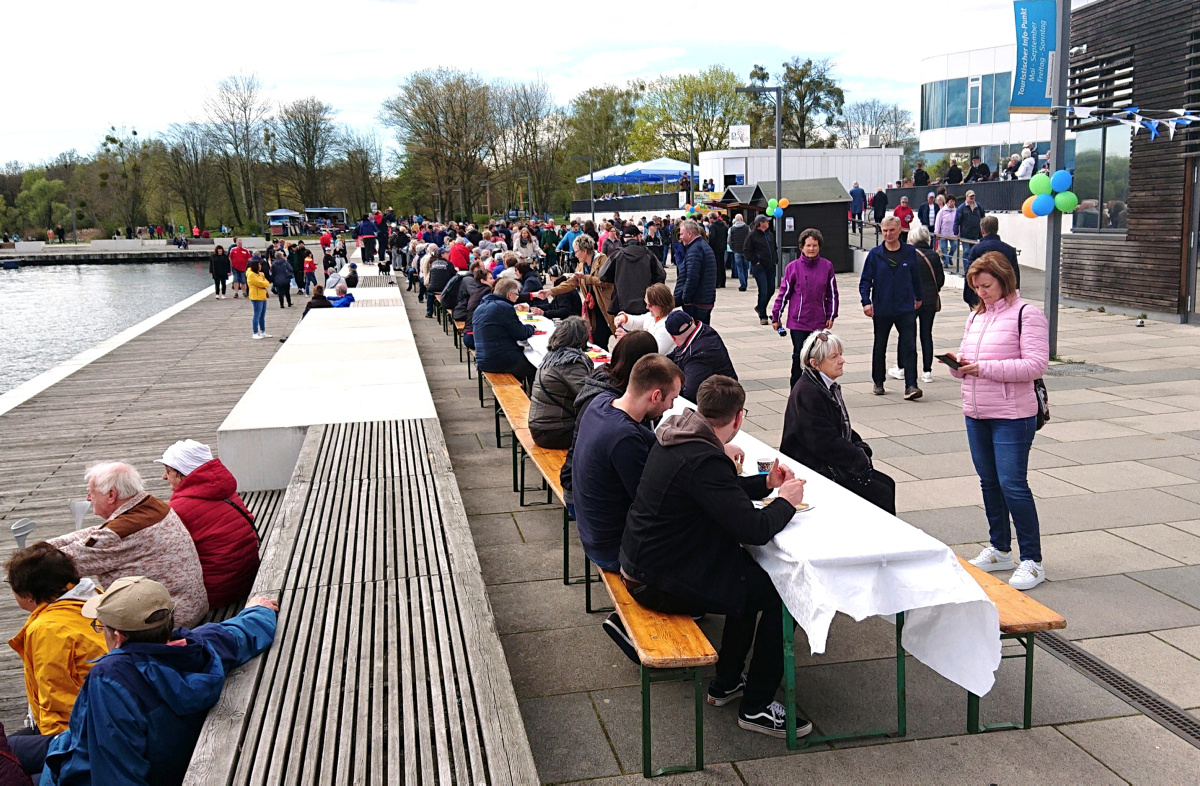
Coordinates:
(1113, 509)
(570, 660)
(940, 493)
(1079, 430)
(1134, 448)
(530, 606)
(1166, 539)
(1138, 749)
(1030, 756)
(1186, 639)
(966, 524)
(1096, 553)
(1180, 583)
(1153, 662)
(1111, 606)
(1117, 476)
(713, 775)
(567, 739)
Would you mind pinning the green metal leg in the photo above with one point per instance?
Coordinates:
(646, 737)
(522, 489)
(671, 675)
(496, 417)
(566, 547)
(901, 680)
(482, 403)
(789, 677)
(587, 587)
(516, 482)
(973, 724)
(1029, 681)
(699, 693)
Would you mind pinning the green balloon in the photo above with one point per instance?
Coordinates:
(1040, 184)
(1066, 202)
(771, 203)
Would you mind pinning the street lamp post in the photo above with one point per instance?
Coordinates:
(529, 184)
(461, 209)
(438, 194)
(778, 91)
(487, 184)
(591, 182)
(691, 138)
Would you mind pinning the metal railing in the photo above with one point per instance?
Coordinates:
(994, 195)
(668, 202)
(952, 249)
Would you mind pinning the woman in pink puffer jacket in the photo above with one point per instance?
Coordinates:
(1005, 347)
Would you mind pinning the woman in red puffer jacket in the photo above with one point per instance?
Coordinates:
(204, 494)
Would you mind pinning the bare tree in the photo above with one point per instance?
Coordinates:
(122, 173)
(237, 115)
(307, 141)
(863, 119)
(189, 168)
(530, 136)
(360, 171)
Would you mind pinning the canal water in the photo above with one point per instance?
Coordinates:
(50, 314)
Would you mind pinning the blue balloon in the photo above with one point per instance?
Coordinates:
(1043, 205)
(778, 212)
(1061, 181)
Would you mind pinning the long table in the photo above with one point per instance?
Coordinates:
(844, 554)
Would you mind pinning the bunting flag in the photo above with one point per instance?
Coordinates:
(1152, 126)
(1136, 118)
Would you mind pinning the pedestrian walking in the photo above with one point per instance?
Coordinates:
(258, 286)
(858, 202)
(809, 290)
(759, 252)
(737, 244)
(879, 205)
(281, 277)
(218, 268)
(945, 228)
(890, 288)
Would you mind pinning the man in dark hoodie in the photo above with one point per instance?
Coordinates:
(718, 240)
(630, 270)
(699, 351)
(139, 712)
(681, 551)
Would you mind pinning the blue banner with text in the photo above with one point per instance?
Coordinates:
(1037, 36)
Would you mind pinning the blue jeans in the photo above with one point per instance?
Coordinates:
(764, 276)
(310, 280)
(1000, 451)
(259, 324)
(739, 269)
(949, 249)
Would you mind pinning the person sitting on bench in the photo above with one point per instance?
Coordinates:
(559, 378)
(498, 329)
(139, 713)
(681, 552)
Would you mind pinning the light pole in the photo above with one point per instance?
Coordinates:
(591, 182)
(529, 184)
(487, 184)
(691, 138)
(1058, 128)
(778, 91)
(438, 194)
(461, 209)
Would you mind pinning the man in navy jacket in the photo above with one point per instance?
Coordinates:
(497, 330)
(696, 280)
(891, 294)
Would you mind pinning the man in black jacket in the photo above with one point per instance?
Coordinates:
(990, 227)
(718, 239)
(696, 279)
(760, 256)
(920, 176)
(979, 171)
(631, 269)
(737, 244)
(699, 351)
(681, 551)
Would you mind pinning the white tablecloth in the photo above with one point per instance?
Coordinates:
(847, 555)
(537, 346)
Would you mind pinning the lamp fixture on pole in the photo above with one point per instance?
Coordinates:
(778, 91)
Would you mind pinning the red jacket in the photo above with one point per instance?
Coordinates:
(460, 256)
(239, 258)
(905, 214)
(220, 525)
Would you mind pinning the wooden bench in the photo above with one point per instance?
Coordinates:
(670, 648)
(1021, 617)
(499, 382)
(460, 327)
(264, 505)
(386, 666)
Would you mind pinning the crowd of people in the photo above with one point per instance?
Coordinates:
(120, 667)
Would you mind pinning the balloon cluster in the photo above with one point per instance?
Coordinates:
(775, 207)
(691, 210)
(1050, 193)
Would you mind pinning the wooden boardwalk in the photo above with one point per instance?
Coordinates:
(179, 380)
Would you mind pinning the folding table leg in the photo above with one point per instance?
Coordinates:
(1028, 641)
(901, 681)
(789, 677)
(587, 588)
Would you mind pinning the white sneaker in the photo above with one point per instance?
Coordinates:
(256, 336)
(264, 335)
(927, 376)
(993, 559)
(895, 372)
(1028, 575)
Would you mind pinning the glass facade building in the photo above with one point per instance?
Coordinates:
(974, 100)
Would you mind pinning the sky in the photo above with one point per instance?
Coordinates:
(143, 64)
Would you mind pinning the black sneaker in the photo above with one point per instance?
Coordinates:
(719, 697)
(772, 721)
(878, 390)
(912, 394)
(616, 631)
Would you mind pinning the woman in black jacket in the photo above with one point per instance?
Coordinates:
(933, 278)
(218, 267)
(568, 304)
(484, 281)
(816, 426)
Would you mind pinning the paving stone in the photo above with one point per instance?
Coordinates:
(1046, 486)
(500, 499)
(567, 740)
(713, 775)
(569, 660)
(966, 524)
(1186, 639)
(528, 606)
(1111, 606)
(1187, 466)
(535, 561)
(1180, 583)
(1153, 662)
(1112, 509)
(1167, 539)
(888, 449)
(1076, 431)
(1096, 553)
(1136, 448)
(940, 493)
(936, 443)
(1138, 749)
(544, 523)
(1190, 492)
(494, 529)
(1117, 476)
(1040, 755)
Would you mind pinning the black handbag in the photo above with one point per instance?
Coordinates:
(1039, 384)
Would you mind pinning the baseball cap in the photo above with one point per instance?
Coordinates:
(760, 219)
(185, 456)
(129, 604)
(930, 194)
(630, 230)
(354, 265)
(678, 323)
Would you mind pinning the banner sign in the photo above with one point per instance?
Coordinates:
(739, 136)
(1037, 36)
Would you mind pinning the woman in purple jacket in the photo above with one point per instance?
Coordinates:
(1005, 347)
(811, 289)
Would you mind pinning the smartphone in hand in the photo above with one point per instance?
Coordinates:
(949, 360)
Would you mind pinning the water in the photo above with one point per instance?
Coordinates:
(50, 314)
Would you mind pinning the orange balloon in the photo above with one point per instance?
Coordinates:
(784, 203)
(1027, 208)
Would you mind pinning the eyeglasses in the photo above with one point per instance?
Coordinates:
(97, 626)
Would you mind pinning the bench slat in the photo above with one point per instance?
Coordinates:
(1019, 613)
(663, 641)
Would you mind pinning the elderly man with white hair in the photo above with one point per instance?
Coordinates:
(140, 536)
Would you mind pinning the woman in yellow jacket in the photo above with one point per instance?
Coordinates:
(57, 644)
(258, 298)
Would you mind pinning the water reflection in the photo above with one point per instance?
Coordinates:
(50, 314)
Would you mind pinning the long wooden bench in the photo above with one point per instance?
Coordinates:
(386, 666)
(670, 648)
(1021, 618)
(264, 506)
(497, 382)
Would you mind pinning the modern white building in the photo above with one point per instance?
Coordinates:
(964, 106)
(871, 167)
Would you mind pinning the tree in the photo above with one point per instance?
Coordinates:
(600, 123)
(42, 202)
(531, 136)
(359, 175)
(307, 140)
(861, 120)
(237, 115)
(189, 168)
(704, 105)
(122, 174)
(812, 103)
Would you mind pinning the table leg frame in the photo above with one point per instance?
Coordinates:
(973, 724)
(650, 676)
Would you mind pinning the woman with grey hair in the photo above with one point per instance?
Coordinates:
(559, 379)
(933, 278)
(595, 294)
(816, 426)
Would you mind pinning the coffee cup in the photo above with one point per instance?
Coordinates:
(764, 466)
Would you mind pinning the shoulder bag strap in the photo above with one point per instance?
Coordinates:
(239, 509)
